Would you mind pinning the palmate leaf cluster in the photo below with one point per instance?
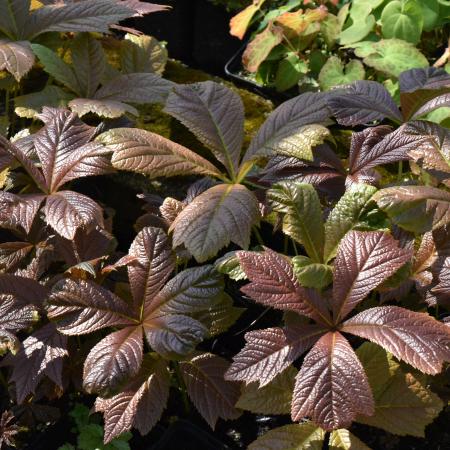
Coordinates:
(361, 275)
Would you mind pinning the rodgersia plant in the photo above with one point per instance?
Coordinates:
(133, 386)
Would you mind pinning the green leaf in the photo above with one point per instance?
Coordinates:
(89, 63)
(402, 19)
(415, 208)
(430, 11)
(403, 404)
(303, 436)
(334, 72)
(394, 56)
(229, 265)
(358, 31)
(260, 47)
(273, 398)
(290, 71)
(342, 439)
(30, 105)
(344, 216)
(439, 116)
(302, 220)
(310, 274)
(330, 29)
(57, 68)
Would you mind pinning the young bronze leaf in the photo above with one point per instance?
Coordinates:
(273, 283)
(362, 102)
(215, 114)
(416, 338)
(12, 253)
(429, 78)
(433, 150)
(17, 58)
(154, 264)
(14, 316)
(303, 436)
(303, 219)
(67, 211)
(113, 360)
(415, 208)
(78, 16)
(221, 214)
(345, 216)
(193, 290)
(65, 152)
(418, 86)
(141, 402)
(20, 153)
(148, 153)
(41, 354)
(282, 126)
(364, 260)
(364, 153)
(331, 386)
(173, 334)
(19, 212)
(81, 307)
(269, 352)
(442, 101)
(214, 397)
(24, 290)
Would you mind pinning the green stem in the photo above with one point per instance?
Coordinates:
(285, 244)
(295, 247)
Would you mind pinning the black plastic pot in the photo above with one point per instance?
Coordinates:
(196, 32)
(233, 69)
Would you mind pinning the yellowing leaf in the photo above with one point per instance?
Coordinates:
(240, 22)
(273, 398)
(295, 23)
(260, 47)
(304, 436)
(403, 404)
(301, 144)
(342, 439)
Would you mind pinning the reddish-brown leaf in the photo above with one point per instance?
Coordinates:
(268, 352)
(273, 283)
(154, 264)
(364, 260)
(113, 360)
(67, 211)
(416, 338)
(41, 354)
(211, 394)
(331, 387)
(81, 307)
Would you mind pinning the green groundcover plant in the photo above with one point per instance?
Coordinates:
(345, 230)
(322, 44)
